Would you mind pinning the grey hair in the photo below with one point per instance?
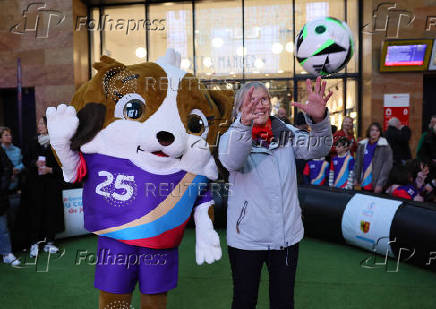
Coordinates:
(240, 95)
(393, 121)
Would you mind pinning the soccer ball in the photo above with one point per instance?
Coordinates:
(324, 46)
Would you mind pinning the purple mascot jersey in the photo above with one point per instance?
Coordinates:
(140, 218)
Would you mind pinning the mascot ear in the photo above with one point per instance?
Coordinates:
(91, 121)
(106, 63)
(224, 101)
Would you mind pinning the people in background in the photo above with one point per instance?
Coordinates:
(430, 129)
(398, 137)
(342, 166)
(402, 184)
(316, 172)
(348, 132)
(431, 184)
(15, 156)
(410, 181)
(45, 184)
(302, 126)
(300, 122)
(5, 239)
(427, 150)
(374, 160)
(282, 115)
(423, 178)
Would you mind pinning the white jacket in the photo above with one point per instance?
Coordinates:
(263, 209)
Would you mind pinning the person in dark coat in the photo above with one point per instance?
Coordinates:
(430, 129)
(282, 115)
(5, 180)
(427, 152)
(398, 137)
(45, 182)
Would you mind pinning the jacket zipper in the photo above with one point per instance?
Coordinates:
(241, 216)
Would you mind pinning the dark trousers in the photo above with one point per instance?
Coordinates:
(43, 212)
(246, 268)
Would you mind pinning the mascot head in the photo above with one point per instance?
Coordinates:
(154, 114)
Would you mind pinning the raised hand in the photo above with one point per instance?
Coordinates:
(316, 100)
(62, 123)
(247, 108)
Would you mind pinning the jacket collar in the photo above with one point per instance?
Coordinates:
(282, 134)
(381, 142)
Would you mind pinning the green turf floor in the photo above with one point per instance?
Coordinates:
(328, 276)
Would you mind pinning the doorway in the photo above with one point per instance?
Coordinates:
(9, 114)
(429, 100)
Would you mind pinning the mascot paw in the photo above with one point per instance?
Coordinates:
(62, 123)
(198, 156)
(207, 248)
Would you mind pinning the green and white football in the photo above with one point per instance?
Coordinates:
(324, 46)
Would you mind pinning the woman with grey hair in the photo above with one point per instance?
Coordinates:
(264, 216)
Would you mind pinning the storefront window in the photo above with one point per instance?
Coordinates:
(281, 93)
(351, 102)
(353, 23)
(226, 43)
(218, 39)
(124, 33)
(95, 40)
(268, 39)
(176, 21)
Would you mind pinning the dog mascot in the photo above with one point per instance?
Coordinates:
(141, 142)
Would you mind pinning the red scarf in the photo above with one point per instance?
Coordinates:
(262, 133)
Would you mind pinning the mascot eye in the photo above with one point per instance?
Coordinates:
(133, 109)
(197, 123)
(131, 106)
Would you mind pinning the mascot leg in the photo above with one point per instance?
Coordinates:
(154, 301)
(114, 301)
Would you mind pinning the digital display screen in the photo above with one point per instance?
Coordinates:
(404, 55)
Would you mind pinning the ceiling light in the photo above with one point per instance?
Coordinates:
(289, 47)
(277, 48)
(258, 63)
(241, 51)
(207, 62)
(141, 52)
(217, 42)
(185, 63)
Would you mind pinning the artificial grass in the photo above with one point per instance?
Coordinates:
(328, 276)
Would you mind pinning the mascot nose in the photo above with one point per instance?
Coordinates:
(165, 138)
